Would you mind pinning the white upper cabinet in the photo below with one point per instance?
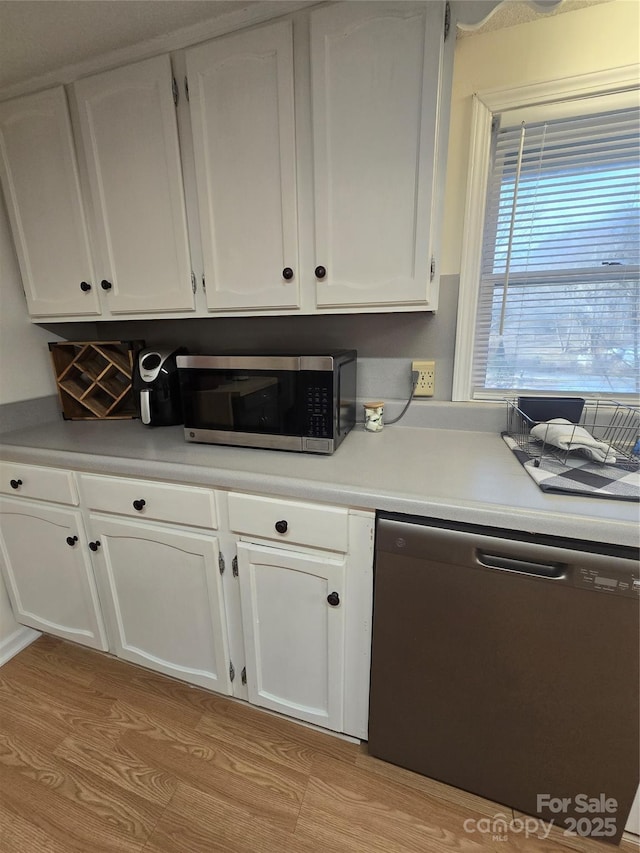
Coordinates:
(130, 140)
(313, 150)
(242, 110)
(375, 78)
(40, 181)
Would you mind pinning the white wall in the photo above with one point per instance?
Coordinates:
(577, 42)
(25, 369)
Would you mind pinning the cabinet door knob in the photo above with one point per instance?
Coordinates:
(71, 541)
(85, 286)
(281, 526)
(287, 273)
(139, 505)
(321, 272)
(334, 599)
(94, 545)
(105, 285)
(15, 484)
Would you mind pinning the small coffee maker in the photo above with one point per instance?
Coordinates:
(156, 386)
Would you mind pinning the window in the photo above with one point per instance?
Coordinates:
(552, 272)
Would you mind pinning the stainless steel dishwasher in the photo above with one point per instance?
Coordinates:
(507, 665)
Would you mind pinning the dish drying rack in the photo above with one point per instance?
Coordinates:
(616, 424)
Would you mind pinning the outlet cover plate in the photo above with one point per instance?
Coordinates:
(426, 378)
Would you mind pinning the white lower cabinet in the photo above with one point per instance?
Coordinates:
(262, 598)
(293, 620)
(162, 592)
(48, 571)
(306, 585)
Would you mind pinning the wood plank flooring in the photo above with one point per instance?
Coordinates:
(98, 755)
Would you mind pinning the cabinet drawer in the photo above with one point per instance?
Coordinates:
(290, 521)
(146, 499)
(32, 481)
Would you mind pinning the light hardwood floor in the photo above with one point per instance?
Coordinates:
(98, 755)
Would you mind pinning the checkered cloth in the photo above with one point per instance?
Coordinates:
(577, 476)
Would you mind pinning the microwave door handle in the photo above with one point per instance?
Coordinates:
(145, 409)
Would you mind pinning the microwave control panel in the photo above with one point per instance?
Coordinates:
(318, 406)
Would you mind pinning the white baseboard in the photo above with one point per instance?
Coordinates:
(16, 642)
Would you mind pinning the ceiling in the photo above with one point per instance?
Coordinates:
(41, 36)
(38, 36)
(513, 12)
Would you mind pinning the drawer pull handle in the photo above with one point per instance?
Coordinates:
(85, 287)
(334, 599)
(94, 545)
(71, 541)
(281, 526)
(139, 505)
(15, 484)
(105, 285)
(320, 272)
(287, 273)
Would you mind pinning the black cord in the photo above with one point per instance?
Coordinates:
(415, 375)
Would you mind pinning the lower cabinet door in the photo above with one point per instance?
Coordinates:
(162, 594)
(293, 622)
(48, 571)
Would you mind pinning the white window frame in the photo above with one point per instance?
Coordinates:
(485, 105)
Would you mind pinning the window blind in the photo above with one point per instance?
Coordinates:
(559, 298)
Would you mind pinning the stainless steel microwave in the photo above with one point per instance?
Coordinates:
(305, 402)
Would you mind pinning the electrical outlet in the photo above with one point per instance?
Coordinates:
(426, 378)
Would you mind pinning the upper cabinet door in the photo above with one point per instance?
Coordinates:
(375, 80)
(242, 108)
(40, 180)
(130, 138)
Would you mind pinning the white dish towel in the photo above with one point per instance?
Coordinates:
(567, 436)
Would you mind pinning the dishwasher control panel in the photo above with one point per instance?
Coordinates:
(615, 582)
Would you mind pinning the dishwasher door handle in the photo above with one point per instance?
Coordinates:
(522, 567)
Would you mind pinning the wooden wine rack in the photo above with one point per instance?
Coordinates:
(93, 378)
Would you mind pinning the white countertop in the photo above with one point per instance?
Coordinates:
(448, 474)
